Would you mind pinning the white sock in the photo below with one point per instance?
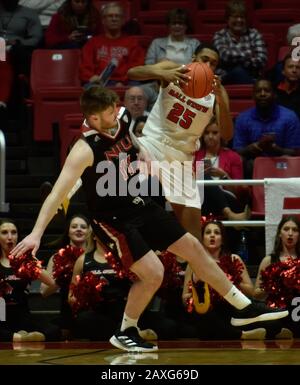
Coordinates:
(236, 298)
(128, 322)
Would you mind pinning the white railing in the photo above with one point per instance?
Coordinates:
(236, 182)
(4, 207)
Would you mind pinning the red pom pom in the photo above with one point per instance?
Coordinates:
(172, 271)
(25, 266)
(117, 265)
(63, 263)
(87, 291)
(233, 268)
(281, 282)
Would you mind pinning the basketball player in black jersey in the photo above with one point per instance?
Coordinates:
(128, 223)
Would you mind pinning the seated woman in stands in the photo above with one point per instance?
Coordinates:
(73, 24)
(221, 163)
(177, 46)
(18, 324)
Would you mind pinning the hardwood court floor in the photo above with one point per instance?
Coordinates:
(183, 352)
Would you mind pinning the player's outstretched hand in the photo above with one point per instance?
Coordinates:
(31, 242)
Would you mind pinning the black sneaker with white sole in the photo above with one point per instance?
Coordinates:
(130, 340)
(257, 311)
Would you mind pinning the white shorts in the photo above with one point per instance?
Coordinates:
(175, 171)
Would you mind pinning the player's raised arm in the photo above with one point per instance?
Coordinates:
(79, 158)
(164, 71)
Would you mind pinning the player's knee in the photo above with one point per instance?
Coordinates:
(156, 275)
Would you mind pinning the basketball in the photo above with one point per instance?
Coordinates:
(201, 81)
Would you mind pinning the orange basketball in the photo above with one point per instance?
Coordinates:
(201, 80)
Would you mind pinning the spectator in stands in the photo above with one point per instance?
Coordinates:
(112, 46)
(286, 247)
(242, 49)
(210, 313)
(139, 125)
(22, 31)
(288, 90)
(275, 73)
(267, 129)
(44, 8)
(20, 324)
(135, 100)
(220, 163)
(293, 31)
(73, 24)
(77, 234)
(176, 47)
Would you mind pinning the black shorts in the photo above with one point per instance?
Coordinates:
(137, 230)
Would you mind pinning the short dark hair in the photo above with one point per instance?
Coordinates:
(97, 99)
(177, 14)
(264, 79)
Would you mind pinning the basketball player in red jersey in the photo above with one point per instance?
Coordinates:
(130, 225)
(174, 126)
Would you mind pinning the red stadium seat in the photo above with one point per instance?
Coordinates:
(283, 51)
(271, 167)
(153, 23)
(69, 130)
(239, 105)
(239, 91)
(282, 4)
(276, 21)
(55, 88)
(209, 21)
(144, 40)
(207, 37)
(191, 5)
(272, 47)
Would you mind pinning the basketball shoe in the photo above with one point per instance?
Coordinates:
(130, 340)
(256, 311)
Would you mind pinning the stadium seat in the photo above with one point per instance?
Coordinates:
(153, 23)
(167, 5)
(55, 88)
(279, 4)
(209, 20)
(276, 21)
(202, 37)
(271, 167)
(272, 48)
(69, 130)
(239, 105)
(283, 51)
(239, 91)
(144, 40)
